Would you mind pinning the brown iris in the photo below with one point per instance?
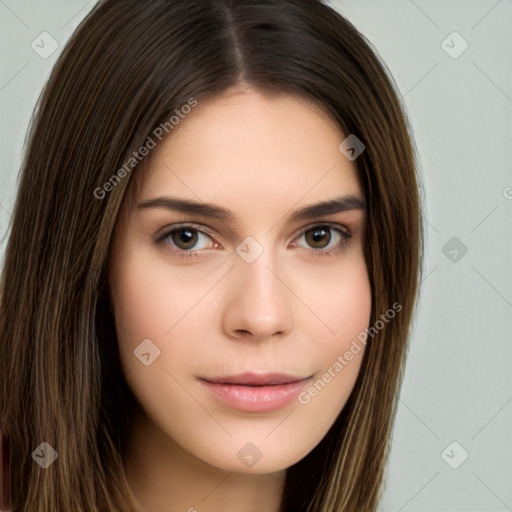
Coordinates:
(184, 238)
(318, 237)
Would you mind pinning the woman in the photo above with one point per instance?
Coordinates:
(171, 339)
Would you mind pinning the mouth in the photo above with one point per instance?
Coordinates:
(252, 392)
(257, 380)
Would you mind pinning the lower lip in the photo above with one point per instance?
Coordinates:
(256, 398)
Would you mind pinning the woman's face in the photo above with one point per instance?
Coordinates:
(227, 316)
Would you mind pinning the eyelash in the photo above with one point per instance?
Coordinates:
(182, 253)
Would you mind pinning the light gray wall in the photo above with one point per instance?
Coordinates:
(458, 384)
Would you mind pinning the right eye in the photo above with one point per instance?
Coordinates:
(187, 240)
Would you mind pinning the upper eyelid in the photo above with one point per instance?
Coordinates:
(163, 232)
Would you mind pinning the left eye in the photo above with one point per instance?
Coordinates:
(321, 237)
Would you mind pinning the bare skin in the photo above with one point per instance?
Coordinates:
(293, 309)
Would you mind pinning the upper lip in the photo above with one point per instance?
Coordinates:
(256, 379)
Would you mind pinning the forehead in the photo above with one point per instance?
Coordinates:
(249, 150)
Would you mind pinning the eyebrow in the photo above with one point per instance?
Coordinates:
(336, 205)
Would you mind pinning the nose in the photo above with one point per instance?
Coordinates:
(258, 305)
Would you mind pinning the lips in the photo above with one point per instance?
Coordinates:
(251, 392)
(254, 379)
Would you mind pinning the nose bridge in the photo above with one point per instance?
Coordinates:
(254, 262)
(258, 302)
(255, 275)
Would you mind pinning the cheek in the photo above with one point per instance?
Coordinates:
(153, 329)
(149, 307)
(340, 298)
(343, 307)
(347, 302)
(148, 301)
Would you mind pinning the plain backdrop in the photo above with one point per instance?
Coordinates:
(452, 443)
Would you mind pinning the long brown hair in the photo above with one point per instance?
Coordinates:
(128, 67)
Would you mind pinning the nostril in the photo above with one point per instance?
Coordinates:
(243, 332)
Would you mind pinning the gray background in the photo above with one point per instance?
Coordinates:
(458, 383)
